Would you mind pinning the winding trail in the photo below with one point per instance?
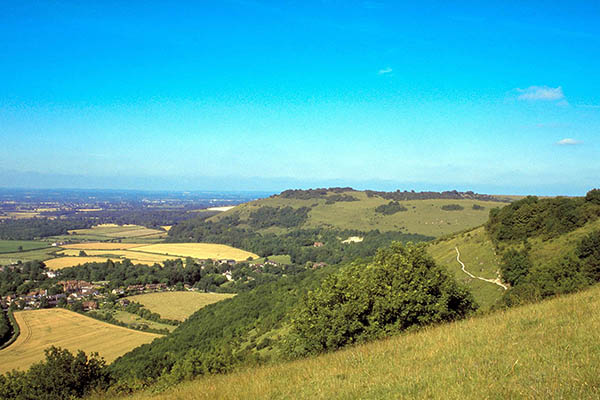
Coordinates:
(494, 281)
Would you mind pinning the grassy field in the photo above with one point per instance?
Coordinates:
(279, 259)
(12, 246)
(129, 318)
(178, 305)
(39, 254)
(198, 250)
(540, 351)
(478, 254)
(423, 216)
(43, 328)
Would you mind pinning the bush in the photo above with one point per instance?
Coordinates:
(391, 208)
(61, 376)
(515, 266)
(452, 207)
(400, 289)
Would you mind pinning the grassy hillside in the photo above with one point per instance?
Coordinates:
(479, 256)
(42, 328)
(496, 356)
(425, 217)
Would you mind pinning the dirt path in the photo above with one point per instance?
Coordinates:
(494, 281)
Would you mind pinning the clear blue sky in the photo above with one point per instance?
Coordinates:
(489, 96)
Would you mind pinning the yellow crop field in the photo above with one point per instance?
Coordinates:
(64, 262)
(137, 257)
(59, 327)
(101, 246)
(178, 305)
(198, 250)
(166, 227)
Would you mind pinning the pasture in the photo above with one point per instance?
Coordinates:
(101, 246)
(112, 231)
(12, 246)
(59, 327)
(178, 305)
(198, 250)
(547, 350)
(31, 255)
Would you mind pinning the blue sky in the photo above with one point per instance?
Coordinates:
(498, 97)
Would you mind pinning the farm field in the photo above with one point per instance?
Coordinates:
(279, 259)
(101, 246)
(112, 231)
(65, 262)
(43, 328)
(178, 305)
(31, 255)
(129, 318)
(137, 257)
(496, 356)
(198, 250)
(423, 217)
(12, 246)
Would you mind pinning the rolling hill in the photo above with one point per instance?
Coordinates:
(493, 356)
(348, 209)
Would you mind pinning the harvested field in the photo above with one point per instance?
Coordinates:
(102, 246)
(198, 250)
(59, 327)
(64, 262)
(178, 305)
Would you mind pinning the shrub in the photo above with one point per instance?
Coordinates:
(400, 289)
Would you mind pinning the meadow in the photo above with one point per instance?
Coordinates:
(64, 262)
(544, 350)
(134, 319)
(12, 246)
(198, 250)
(136, 257)
(113, 231)
(178, 305)
(31, 255)
(424, 217)
(59, 327)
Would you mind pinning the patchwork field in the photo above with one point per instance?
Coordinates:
(541, 351)
(43, 328)
(198, 250)
(178, 305)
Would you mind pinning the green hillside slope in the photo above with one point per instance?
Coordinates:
(544, 350)
(425, 217)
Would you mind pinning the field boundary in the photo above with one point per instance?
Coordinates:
(16, 330)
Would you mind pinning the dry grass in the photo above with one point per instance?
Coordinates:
(64, 262)
(136, 257)
(178, 305)
(59, 327)
(112, 231)
(198, 250)
(541, 351)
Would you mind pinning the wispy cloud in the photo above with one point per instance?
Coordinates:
(385, 71)
(544, 93)
(568, 142)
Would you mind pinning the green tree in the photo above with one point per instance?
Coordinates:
(401, 288)
(515, 266)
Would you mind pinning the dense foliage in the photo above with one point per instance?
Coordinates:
(286, 217)
(452, 207)
(61, 376)
(548, 218)
(32, 228)
(565, 274)
(220, 335)
(448, 195)
(401, 288)
(5, 328)
(390, 208)
(320, 193)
